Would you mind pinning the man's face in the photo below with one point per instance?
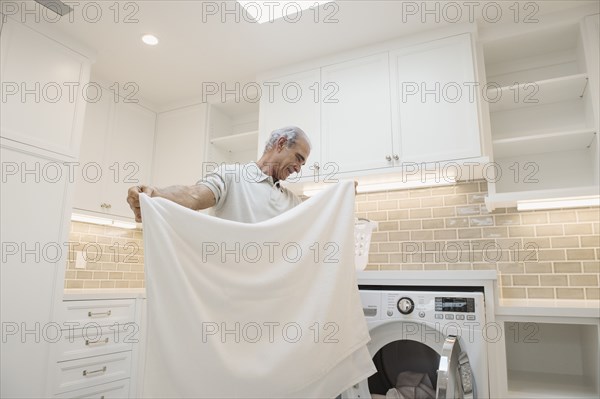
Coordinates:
(290, 160)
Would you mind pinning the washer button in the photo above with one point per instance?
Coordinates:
(449, 317)
(470, 317)
(460, 317)
(390, 313)
(421, 314)
(439, 316)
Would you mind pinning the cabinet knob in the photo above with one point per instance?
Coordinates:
(388, 158)
(103, 205)
(396, 157)
(108, 206)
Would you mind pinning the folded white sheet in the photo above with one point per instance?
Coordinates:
(259, 310)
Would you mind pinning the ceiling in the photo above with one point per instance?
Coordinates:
(200, 43)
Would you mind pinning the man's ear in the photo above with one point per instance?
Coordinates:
(281, 142)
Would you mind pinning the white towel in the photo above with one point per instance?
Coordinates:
(261, 310)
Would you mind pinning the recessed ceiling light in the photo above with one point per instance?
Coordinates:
(150, 40)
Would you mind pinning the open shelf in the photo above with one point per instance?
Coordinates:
(237, 142)
(545, 142)
(546, 171)
(535, 93)
(564, 116)
(549, 385)
(536, 56)
(232, 132)
(552, 360)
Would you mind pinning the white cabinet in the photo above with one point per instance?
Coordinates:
(356, 131)
(384, 106)
(293, 100)
(129, 154)
(180, 143)
(43, 88)
(35, 204)
(98, 349)
(543, 102)
(434, 99)
(116, 153)
(91, 173)
(34, 229)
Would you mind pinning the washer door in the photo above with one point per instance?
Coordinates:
(401, 346)
(454, 376)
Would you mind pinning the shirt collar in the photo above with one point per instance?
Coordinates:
(260, 175)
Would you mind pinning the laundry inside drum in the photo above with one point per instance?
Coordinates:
(409, 366)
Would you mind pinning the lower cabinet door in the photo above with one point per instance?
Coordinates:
(116, 389)
(92, 371)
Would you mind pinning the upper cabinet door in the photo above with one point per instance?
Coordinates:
(356, 119)
(91, 174)
(180, 137)
(293, 100)
(43, 90)
(129, 155)
(434, 100)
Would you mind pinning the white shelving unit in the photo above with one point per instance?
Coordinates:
(232, 132)
(544, 134)
(549, 357)
(236, 142)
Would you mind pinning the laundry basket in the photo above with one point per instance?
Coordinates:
(363, 228)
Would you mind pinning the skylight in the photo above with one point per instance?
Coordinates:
(269, 11)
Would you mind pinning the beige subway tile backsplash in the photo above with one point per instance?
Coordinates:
(540, 293)
(538, 254)
(570, 293)
(114, 257)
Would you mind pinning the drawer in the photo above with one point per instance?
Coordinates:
(83, 373)
(117, 389)
(78, 314)
(95, 341)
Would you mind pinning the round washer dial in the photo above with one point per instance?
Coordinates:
(406, 305)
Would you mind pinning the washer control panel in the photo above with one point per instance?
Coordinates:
(423, 305)
(450, 304)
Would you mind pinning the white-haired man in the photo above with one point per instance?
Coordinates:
(248, 193)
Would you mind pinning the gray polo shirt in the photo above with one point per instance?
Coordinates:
(243, 193)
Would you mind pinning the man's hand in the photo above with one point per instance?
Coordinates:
(133, 199)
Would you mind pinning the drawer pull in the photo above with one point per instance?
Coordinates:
(99, 314)
(99, 342)
(102, 370)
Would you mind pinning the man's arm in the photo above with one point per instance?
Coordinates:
(195, 197)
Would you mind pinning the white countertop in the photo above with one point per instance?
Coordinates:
(78, 294)
(427, 277)
(549, 307)
(505, 307)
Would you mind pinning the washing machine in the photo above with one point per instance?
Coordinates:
(432, 332)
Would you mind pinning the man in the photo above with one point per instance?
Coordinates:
(249, 193)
